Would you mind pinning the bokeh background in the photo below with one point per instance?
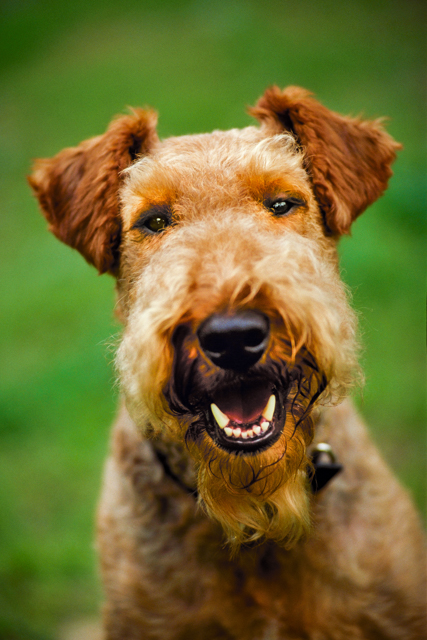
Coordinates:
(68, 67)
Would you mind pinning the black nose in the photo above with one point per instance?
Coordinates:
(235, 341)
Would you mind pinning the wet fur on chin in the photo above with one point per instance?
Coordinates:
(261, 496)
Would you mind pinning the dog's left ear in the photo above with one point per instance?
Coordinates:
(78, 188)
(348, 159)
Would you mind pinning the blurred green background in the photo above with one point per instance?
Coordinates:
(66, 69)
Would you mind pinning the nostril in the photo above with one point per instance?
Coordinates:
(235, 341)
(214, 343)
(253, 338)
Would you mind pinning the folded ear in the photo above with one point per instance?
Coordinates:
(78, 188)
(348, 159)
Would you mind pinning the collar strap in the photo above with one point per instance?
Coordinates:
(168, 471)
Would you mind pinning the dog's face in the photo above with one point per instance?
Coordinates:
(233, 310)
(236, 321)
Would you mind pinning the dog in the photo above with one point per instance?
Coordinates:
(243, 498)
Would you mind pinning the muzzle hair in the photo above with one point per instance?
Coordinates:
(308, 307)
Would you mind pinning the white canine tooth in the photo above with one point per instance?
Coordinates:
(264, 426)
(257, 430)
(237, 432)
(268, 412)
(250, 433)
(219, 416)
(244, 434)
(228, 431)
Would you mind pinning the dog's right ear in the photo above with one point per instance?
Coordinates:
(78, 188)
(348, 159)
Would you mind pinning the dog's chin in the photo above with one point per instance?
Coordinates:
(262, 496)
(248, 436)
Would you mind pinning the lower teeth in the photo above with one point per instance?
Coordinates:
(256, 430)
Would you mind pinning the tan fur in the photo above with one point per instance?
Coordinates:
(253, 555)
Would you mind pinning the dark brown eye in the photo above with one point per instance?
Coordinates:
(282, 206)
(156, 223)
(155, 220)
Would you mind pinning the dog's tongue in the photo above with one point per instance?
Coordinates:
(244, 403)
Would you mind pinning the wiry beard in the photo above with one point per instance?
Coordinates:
(257, 496)
(264, 494)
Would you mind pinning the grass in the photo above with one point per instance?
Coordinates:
(66, 68)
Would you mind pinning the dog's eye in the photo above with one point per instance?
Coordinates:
(282, 206)
(155, 220)
(156, 223)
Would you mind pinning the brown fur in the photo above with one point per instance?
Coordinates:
(199, 539)
(78, 188)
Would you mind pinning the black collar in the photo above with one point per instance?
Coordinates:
(323, 470)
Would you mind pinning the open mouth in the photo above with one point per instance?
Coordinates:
(242, 412)
(246, 416)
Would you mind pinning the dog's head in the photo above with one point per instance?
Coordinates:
(237, 323)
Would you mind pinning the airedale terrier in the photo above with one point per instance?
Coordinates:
(242, 499)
